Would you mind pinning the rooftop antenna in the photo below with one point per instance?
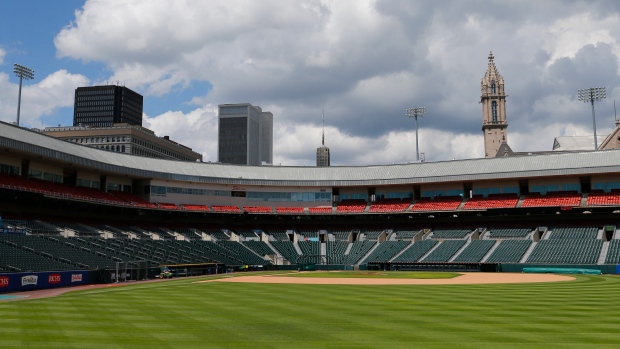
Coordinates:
(323, 136)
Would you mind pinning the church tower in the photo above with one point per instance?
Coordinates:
(493, 101)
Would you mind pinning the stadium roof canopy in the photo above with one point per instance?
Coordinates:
(28, 143)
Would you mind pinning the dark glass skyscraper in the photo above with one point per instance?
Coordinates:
(245, 135)
(103, 106)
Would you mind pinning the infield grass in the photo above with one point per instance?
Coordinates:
(183, 314)
(374, 275)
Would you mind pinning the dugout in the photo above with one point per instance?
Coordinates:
(184, 270)
(434, 266)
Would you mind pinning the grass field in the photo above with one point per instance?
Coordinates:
(375, 275)
(182, 314)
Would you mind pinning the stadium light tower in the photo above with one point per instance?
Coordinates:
(415, 113)
(590, 95)
(22, 73)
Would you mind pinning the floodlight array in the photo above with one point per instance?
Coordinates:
(415, 112)
(591, 94)
(23, 72)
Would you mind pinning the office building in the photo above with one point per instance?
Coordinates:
(245, 135)
(104, 106)
(125, 138)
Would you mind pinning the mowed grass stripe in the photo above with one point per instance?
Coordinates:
(180, 313)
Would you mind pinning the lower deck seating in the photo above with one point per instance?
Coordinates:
(566, 251)
(335, 251)
(386, 251)
(358, 250)
(416, 251)
(613, 253)
(445, 251)
(475, 251)
(495, 233)
(286, 249)
(509, 251)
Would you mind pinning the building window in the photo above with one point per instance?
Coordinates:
(494, 111)
(493, 88)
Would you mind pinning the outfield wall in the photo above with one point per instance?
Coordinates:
(518, 268)
(15, 282)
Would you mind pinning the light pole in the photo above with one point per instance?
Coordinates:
(414, 113)
(590, 95)
(22, 73)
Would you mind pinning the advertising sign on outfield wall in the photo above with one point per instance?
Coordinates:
(34, 281)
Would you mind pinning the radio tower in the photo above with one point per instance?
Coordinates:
(322, 152)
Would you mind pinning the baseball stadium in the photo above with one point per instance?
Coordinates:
(104, 249)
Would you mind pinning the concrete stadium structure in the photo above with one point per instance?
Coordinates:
(547, 209)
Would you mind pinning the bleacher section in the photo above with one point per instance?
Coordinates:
(492, 201)
(552, 199)
(509, 251)
(286, 249)
(189, 207)
(416, 251)
(406, 235)
(574, 233)
(358, 250)
(257, 209)
(450, 233)
(566, 251)
(226, 208)
(503, 233)
(259, 247)
(322, 209)
(310, 248)
(386, 251)
(389, 205)
(439, 203)
(335, 251)
(445, 251)
(290, 210)
(600, 198)
(613, 253)
(475, 251)
(351, 206)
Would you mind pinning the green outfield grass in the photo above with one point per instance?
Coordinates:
(375, 274)
(584, 313)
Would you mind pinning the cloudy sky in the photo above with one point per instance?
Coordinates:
(363, 62)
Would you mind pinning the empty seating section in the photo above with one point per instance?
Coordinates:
(281, 235)
(242, 253)
(475, 251)
(414, 252)
(445, 251)
(502, 233)
(574, 233)
(259, 247)
(226, 208)
(407, 235)
(286, 249)
(386, 251)
(358, 250)
(389, 205)
(257, 209)
(600, 198)
(613, 253)
(509, 251)
(450, 233)
(552, 199)
(439, 203)
(566, 251)
(351, 206)
(79, 229)
(372, 234)
(342, 235)
(134, 200)
(217, 233)
(310, 248)
(309, 233)
(33, 227)
(188, 207)
(335, 251)
(167, 206)
(492, 201)
(323, 209)
(295, 210)
(247, 233)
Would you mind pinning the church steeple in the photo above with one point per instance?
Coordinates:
(493, 100)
